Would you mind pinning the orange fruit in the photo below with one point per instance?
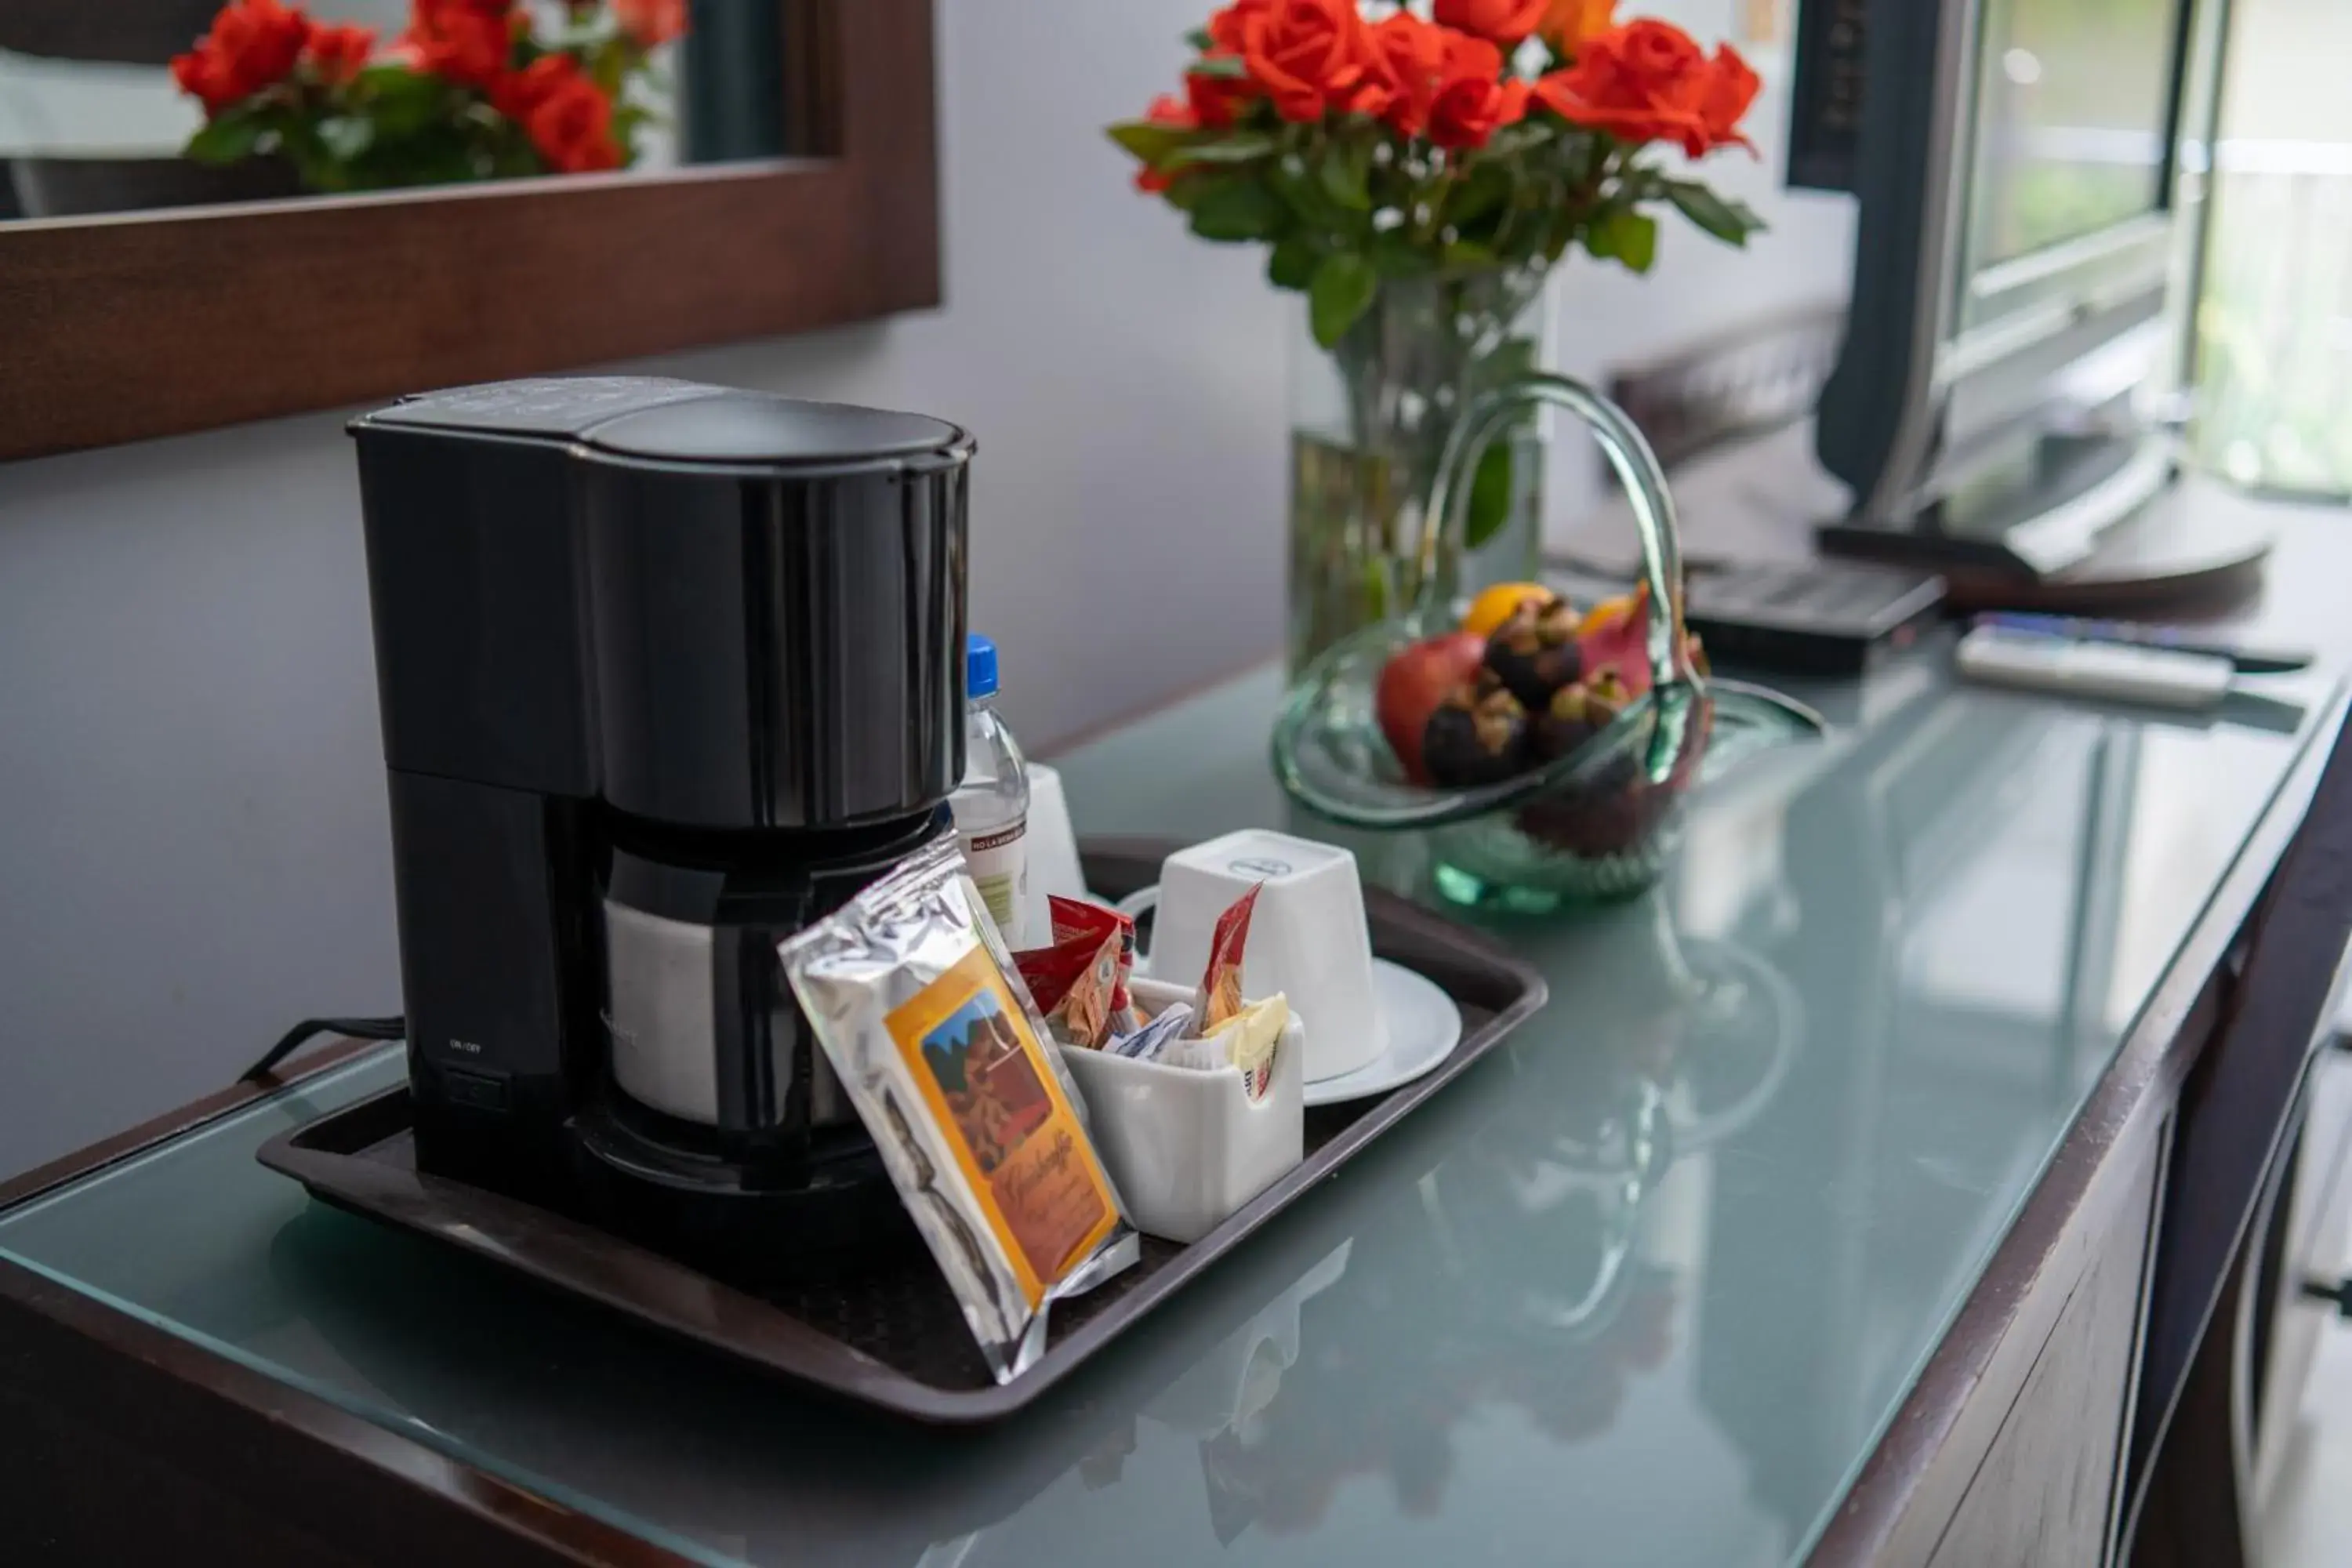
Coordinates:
(1611, 613)
(1498, 604)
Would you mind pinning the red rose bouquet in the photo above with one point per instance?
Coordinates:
(1415, 171)
(1494, 135)
(473, 89)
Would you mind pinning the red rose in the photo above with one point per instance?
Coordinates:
(1173, 112)
(1473, 99)
(1217, 100)
(1656, 52)
(1206, 104)
(1731, 87)
(1308, 56)
(572, 126)
(1409, 54)
(336, 55)
(1224, 27)
(253, 44)
(650, 23)
(1647, 81)
(1504, 21)
(204, 75)
(199, 78)
(465, 41)
(519, 93)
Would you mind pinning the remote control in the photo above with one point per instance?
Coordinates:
(2115, 672)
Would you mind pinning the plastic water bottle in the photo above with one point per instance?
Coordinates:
(991, 804)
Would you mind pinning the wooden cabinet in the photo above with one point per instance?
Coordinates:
(2047, 1490)
(2310, 1239)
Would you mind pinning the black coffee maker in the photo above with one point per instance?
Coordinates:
(667, 672)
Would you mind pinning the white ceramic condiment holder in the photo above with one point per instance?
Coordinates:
(1187, 1146)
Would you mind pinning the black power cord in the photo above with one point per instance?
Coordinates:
(392, 1028)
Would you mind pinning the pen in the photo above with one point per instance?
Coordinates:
(2245, 661)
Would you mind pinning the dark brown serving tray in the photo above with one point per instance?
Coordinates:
(894, 1341)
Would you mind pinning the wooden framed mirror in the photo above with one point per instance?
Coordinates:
(123, 325)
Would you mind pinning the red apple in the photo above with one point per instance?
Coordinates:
(1413, 682)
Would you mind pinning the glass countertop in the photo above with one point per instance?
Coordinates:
(1872, 995)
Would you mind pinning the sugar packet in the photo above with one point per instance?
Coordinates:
(1080, 982)
(938, 1048)
(1248, 1041)
(1148, 1043)
(1219, 996)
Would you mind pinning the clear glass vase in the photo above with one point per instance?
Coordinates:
(1370, 420)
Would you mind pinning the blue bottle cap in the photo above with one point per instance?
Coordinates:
(979, 667)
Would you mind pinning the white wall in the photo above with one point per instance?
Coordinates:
(193, 840)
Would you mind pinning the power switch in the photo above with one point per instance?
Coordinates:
(476, 1091)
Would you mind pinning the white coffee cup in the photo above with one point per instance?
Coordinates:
(1308, 940)
(1053, 868)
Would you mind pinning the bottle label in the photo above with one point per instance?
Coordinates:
(998, 861)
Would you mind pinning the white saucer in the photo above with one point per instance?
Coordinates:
(1424, 1028)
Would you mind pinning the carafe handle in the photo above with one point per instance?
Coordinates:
(1447, 515)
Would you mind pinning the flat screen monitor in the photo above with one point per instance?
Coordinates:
(2015, 223)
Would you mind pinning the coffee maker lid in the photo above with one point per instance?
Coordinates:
(662, 419)
(557, 406)
(753, 427)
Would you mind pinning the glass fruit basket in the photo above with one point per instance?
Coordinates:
(1549, 751)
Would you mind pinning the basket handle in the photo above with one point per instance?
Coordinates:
(1621, 442)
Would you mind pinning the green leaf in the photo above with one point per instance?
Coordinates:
(1239, 209)
(1727, 221)
(1393, 255)
(1145, 140)
(1342, 290)
(1304, 193)
(1624, 235)
(1292, 263)
(1512, 141)
(1490, 494)
(298, 142)
(1185, 191)
(1225, 66)
(1199, 40)
(401, 101)
(1486, 187)
(1226, 147)
(389, 80)
(346, 136)
(226, 140)
(1637, 243)
(608, 67)
(1346, 172)
(1462, 255)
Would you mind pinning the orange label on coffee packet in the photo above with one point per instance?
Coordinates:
(986, 1079)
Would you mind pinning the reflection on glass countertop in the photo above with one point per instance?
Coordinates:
(1642, 1288)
